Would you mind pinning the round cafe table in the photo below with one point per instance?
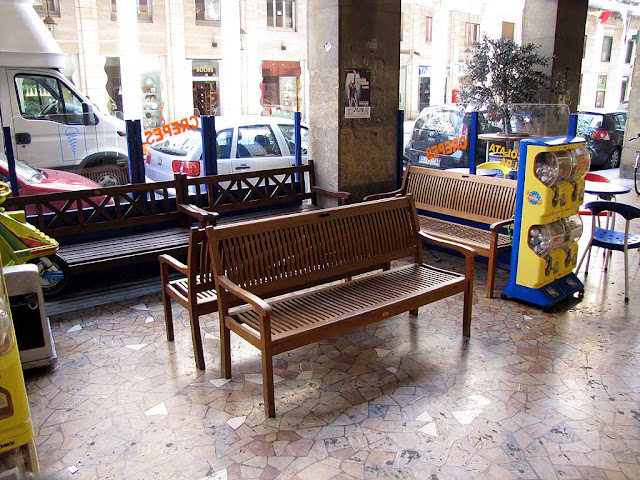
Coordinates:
(605, 191)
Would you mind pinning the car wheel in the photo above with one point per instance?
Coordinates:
(108, 179)
(614, 159)
(54, 274)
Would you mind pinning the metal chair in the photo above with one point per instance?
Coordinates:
(612, 239)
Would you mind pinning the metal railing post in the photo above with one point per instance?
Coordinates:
(473, 140)
(400, 149)
(11, 161)
(209, 145)
(134, 148)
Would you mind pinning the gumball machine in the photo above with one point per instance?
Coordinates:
(547, 225)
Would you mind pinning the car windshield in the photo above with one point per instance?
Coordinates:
(180, 144)
(587, 122)
(24, 171)
(442, 120)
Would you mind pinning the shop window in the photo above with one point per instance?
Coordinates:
(429, 29)
(607, 44)
(207, 11)
(472, 33)
(508, 30)
(584, 46)
(288, 131)
(600, 98)
(624, 88)
(602, 82)
(41, 97)
(47, 7)
(257, 141)
(281, 14)
(629, 53)
(143, 9)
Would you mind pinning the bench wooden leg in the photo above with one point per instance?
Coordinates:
(491, 274)
(196, 339)
(413, 312)
(267, 383)
(225, 349)
(466, 313)
(166, 300)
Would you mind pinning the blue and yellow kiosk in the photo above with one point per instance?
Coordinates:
(547, 225)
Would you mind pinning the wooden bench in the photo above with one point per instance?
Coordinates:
(254, 261)
(129, 224)
(252, 195)
(455, 198)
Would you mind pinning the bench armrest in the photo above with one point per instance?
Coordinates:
(169, 260)
(204, 218)
(466, 251)
(256, 302)
(501, 224)
(378, 196)
(341, 196)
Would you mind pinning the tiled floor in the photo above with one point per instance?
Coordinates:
(531, 395)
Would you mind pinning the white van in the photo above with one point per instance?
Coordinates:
(52, 124)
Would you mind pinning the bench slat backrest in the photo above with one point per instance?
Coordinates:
(238, 192)
(472, 197)
(283, 254)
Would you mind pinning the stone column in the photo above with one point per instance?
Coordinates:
(357, 155)
(232, 54)
(129, 51)
(633, 123)
(178, 68)
(539, 26)
(90, 63)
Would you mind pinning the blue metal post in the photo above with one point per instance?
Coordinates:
(11, 161)
(473, 140)
(400, 149)
(573, 125)
(134, 147)
(297, 117)
(209, 145)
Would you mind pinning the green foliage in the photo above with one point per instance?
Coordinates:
(501, 72)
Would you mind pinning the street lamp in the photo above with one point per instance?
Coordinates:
(48, 21)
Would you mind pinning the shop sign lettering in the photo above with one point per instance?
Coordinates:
(174, 128)
(446, 148)
(509, 157)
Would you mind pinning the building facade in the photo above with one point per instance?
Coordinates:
(609, 53)
(161, 60)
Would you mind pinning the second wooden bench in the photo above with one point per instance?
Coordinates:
(448, 199)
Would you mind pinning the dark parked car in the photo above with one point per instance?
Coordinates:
(440, 138)
(604, 133)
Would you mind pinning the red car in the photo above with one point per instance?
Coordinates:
(36, 181)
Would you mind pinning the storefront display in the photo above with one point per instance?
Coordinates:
(152, 95)
(206, 86)
(280, 88)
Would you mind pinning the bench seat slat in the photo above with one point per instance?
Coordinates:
(467, 235)
(311, 312)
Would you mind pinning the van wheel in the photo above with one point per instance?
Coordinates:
(614, 159)
(54, 274)
(105, 173)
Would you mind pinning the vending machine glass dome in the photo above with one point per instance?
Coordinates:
(544, 239)
(565, 165)
(581, 162)
(546, 168)
(573, 225)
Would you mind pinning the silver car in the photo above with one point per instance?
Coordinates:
(245, 143)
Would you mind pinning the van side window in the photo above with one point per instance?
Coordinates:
(41, 97)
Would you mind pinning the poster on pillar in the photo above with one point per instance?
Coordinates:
(356, 93)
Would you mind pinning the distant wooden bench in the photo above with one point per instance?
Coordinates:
(454, 198)
(129, 224)
(254, 261)
(240, 196)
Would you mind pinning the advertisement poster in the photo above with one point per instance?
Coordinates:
(356, 94)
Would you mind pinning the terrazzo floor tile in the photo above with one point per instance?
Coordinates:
(531, 395)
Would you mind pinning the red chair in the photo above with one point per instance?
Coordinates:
(594, 177)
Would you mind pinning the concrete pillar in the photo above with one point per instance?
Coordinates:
(539, 27)
(180, 102)
(129, 51)
(567, 53)
(357, 155)
(90, 63)
(233, 46)
(633, 123)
